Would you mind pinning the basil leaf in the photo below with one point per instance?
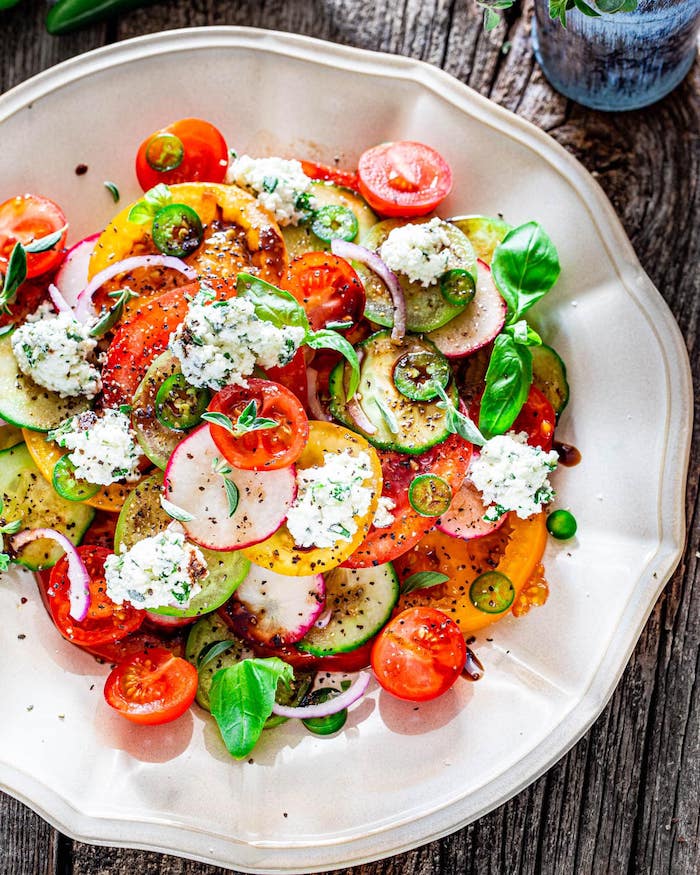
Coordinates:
(423, 580)
(159, 196)
(525, 266)
(583, 7)
(241, 700)
(211, 651)
(273, 305)
(522, 333)
(141, 213)
(508, 380)
(325, 339)
(456, 421)
(5, 561)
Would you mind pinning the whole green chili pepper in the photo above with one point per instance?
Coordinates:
(67, 15)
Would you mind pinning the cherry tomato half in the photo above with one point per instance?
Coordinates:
(404, 178)
(419, 654)
(261, 449)
(189, 150)
(327, 287)
(105, 621)
(344, 178)
(152, 687)
(26, 218)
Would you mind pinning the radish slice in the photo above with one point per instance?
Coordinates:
(191, 483)
(332, 706)
(72, 276)
(465, 517)
(78, 575)
(353, 252)
(477, 324)
(84, 309)
(276, 609)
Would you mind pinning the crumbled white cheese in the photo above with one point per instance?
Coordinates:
(421, 251)
(220, 342)
(57, 352)
(512, 475)
(103, 448)
(280, 186)
(157, 572)
(329, 497)
(382, 515)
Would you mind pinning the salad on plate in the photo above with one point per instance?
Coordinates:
(280, 430)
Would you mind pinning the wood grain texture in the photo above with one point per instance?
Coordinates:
(626, 799)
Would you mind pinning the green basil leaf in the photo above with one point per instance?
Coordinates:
(583, 7)
(5, 561)
(423, 580)
(456, 421)
(326, 339)
(508, 381)
(141, 213)
(241, 700)
(211, 651)
(522, 333)
(525, 266)
(159, 196)
(610, 6)
(271, 304)
(11, 528)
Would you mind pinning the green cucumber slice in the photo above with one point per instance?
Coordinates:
(142, 516)
(27, 496)
(549, 376)
(361, 600)
(400, 423)
(301, 239)
(25, 404)
(212, 629)
(10, 436)
(426, 308)
(484, 233)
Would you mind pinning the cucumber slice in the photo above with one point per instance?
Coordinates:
(362, 600)
(27, 496)
(549, 376)
(484, 233)
(10, 436)
(156, 440)
(301, 239)
(212, 629)
(25, 404)
(399, 423)
(426, 308)
(142, 516)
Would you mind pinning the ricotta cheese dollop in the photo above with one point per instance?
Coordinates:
(220, 342)
(329, 497)
(103, 448)
(281, 186)
(512, 475)
(421, 251)
(157, 572)
(57, 352)
(382, 515)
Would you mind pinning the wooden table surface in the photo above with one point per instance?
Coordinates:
(626, 799)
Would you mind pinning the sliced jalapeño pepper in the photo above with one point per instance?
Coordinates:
(179, 405)
(324, 725)
(457, 286)
(334, 222)
(492, 592)
(416, 373)
(177, 230)
(429, 495)
(165, 152)
(68, 485)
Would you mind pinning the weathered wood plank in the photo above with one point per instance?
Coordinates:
(625, 799)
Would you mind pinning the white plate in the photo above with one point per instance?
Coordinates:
(398, 775)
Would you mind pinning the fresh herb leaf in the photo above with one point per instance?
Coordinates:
(15, 275)
(109, 319)
(11, 528)
(273, 305)
(525, 266)
(325, 339)
(220, 466)
(387, 415)
(155, 198)
(141, 213)
(159, 196)
(508, 381)
(113, 190)
(219, 419)
(521, 333)
(242, 697)
(211, 651)
(125, 409)
(269, 183)
(590, 12)
(5, 561)
(43, 244)
(250, 421)
(231, 495)
(456, 421)
(177, 513)
(423, 580)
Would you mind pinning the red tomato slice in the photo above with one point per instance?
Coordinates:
(345, 178)
(204, 154)
(536, 417)
(292, 377)
(152, 687)
(105, 622)
(27, 300)
(265, 449)
(419, 654)
(327, 287)
(26, 218)
(404, 178)
(448, 460)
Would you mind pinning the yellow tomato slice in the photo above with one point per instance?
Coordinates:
(239, 235)
(515, 550)
(46, 453)
(279, 552)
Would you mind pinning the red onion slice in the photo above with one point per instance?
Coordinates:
(58, 300)
(353, 252)
(359, 417)
(78, 576)
(323, 620)
(315, 405)
(332, 706)
(84, 309)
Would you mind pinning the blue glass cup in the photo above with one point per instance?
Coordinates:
(618, 62)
